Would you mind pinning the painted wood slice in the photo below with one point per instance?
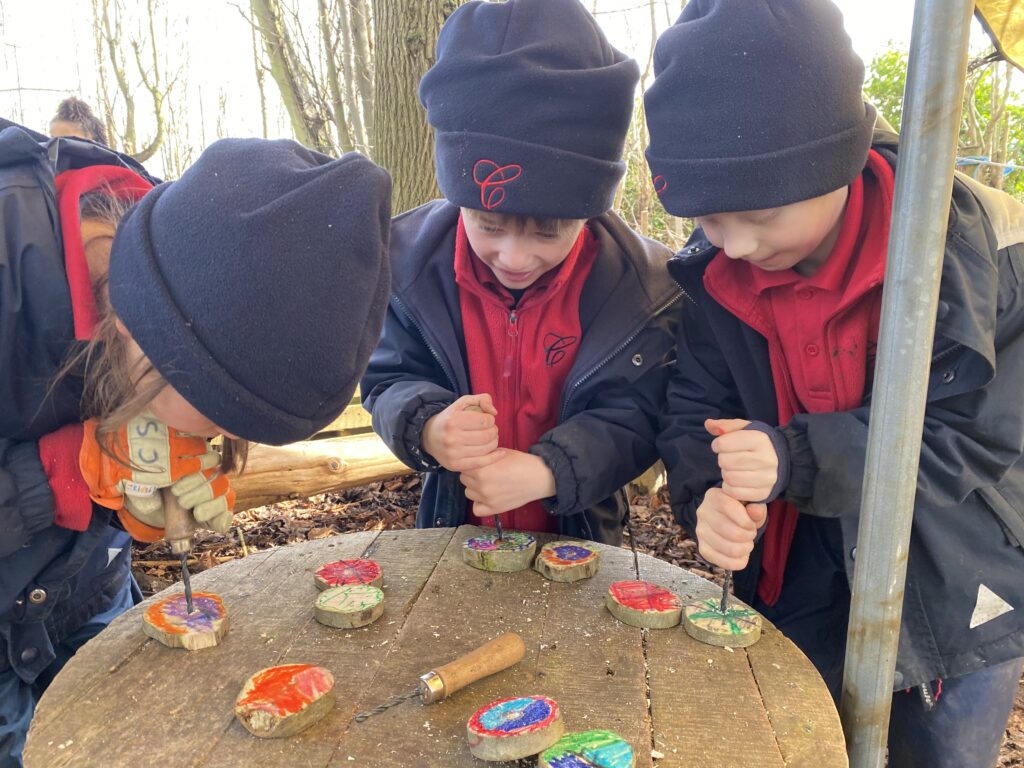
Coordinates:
(590, 749)
(512, 552)
(282, 701)
(642, 604)
(511, 729)
(169, 621)
(738, 627)
(355, 605)
(343, 572)
(567, 561)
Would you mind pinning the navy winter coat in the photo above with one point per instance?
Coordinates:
(52, 580)
(968, 527)
(608, 413)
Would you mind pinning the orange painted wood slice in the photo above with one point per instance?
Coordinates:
(344, 572)
(281, 701)
(642, 604)
(567, 561)
(169, 622)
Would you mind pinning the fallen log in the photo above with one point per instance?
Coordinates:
(300, 470)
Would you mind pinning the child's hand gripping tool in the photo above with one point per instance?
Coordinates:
(179, 525)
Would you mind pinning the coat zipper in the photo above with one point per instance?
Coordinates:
(589, 374)
(426, 343)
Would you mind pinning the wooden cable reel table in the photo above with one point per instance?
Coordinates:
(126, 700)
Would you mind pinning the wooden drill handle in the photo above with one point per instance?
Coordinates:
(500, 653)
(178, 523)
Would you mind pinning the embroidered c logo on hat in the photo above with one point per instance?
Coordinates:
(491, 177)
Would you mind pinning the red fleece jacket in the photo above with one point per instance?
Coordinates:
(521, 353)
(821, 330)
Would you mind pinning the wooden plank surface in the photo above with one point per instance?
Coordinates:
(127, 701)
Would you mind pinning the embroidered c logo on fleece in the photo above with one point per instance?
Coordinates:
(555, 346)
(660, 185)
(491, 177)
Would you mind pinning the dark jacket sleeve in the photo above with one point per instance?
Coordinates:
(611, 441)
(973, 427)
(26, 502)
(404, 386)
(701, 387)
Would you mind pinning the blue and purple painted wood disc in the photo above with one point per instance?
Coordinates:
(567, 561)
(511, 729)
(344, 572)
(169, 621)
(590, 749)
(512, 552)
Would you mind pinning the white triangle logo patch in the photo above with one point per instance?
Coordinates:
(989, 606)
(113, 553)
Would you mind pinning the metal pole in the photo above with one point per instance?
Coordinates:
(924, 178)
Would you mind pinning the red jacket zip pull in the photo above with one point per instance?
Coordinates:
(513, 331)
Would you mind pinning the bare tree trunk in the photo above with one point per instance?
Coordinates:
(308, 124)
(363, 61)
(406, 31)
(347, 115)
(260, 77)
(154, 84)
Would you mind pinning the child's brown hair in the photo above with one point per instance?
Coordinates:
(113, 389)
(520, 223)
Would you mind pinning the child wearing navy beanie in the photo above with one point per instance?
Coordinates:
(525, 347)
(759, 131)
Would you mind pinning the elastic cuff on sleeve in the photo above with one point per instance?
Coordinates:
(781, 451)
(566, 499)
(803, 467)
(413, 436)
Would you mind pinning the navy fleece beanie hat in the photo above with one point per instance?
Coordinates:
(530, 105)
(256, 284)
(755, 104)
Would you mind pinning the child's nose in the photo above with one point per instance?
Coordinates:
(513, 258)
(739, 245)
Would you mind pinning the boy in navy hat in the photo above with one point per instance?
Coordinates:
(526, 344)
(760, 133)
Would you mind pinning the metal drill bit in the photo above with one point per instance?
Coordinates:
(632, 546)
(186, 580)
(724, 606)
(497, 525)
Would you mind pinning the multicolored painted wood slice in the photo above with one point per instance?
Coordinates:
(738, 627)
(169, 622)
(512, 552)
(567, 561)
(348, 607)
(282, 701)
(343, 572)
(642, 604)
(511, 729)
(590, 749)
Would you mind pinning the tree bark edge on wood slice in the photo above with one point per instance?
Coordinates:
(642, 604)
(168, 621)
(343, 572)
(514, 728)
(738, 627)
(350, 606)
(514, 551)
(567, 561)
(282, 701)
(597, 748)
